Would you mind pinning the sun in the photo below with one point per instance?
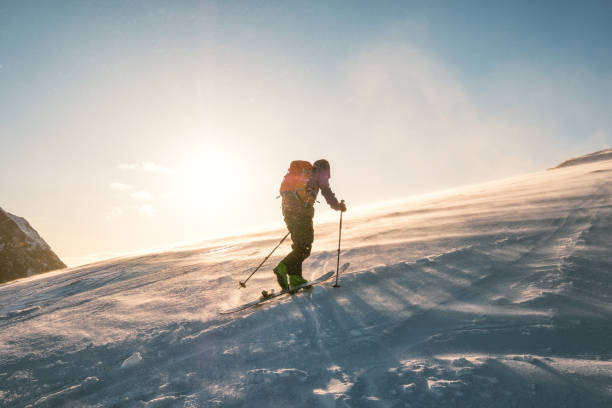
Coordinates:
(211, 179)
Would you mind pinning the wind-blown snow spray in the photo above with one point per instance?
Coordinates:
(243, 283)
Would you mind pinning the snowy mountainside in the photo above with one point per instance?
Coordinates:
(27, 229)
(22, 250)
(493, 295)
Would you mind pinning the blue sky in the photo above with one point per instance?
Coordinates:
(196, 108)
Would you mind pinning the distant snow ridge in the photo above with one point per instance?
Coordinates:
(588, 158)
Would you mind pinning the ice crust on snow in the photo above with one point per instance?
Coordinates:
(495, 295)
(132, 360)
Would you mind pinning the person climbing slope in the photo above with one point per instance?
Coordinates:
(299, 191)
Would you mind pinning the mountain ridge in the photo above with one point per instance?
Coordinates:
(601, 155)
(23, 252)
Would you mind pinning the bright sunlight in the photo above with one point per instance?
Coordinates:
(211, 179)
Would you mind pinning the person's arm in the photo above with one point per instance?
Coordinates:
(329, 195)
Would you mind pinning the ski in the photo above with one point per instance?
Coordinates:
(273, 295)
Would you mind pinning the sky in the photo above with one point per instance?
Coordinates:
(133, 125)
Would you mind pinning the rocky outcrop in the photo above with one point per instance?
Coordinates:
(22, 251)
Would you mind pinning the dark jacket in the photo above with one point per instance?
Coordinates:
(319, 180)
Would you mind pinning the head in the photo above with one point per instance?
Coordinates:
(322, 166)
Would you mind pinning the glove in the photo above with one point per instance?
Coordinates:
(342, 206)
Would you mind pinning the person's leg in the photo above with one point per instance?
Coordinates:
(302, 234)
(299, 223)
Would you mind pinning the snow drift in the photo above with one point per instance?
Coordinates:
(490, 295)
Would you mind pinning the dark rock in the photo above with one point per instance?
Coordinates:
(22, 251)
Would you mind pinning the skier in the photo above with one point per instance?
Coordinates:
(299, 191)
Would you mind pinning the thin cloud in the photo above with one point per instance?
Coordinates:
(128, 166)
(146, 209)
(120, 186)
(113, 213)
(141, 195)
(156, 168)
(148, 166)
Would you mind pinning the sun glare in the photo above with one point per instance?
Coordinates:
(211, 179)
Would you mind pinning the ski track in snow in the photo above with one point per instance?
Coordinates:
(495, 295)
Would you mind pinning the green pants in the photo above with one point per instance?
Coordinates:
(298, 219)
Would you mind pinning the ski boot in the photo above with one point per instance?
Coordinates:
(297, 280)
(281, 275)
(266, 294)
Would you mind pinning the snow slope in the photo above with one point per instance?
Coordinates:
(496, 295)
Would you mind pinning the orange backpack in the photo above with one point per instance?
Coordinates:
(296, 180)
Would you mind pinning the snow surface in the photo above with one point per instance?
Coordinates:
(496, 295)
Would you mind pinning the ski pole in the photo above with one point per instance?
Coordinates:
(243, 284)
(338, 261)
